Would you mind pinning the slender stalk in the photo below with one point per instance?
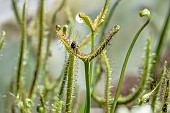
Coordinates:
(64, 79)
(160, 46)
(108, 17)
(100, 18)
(50, 35)
(88, 92)
(107, 92)
(57, 10)
(58, 108)
(41, 99)
(70, 84)
(139, 90)
(145, 12)
(22, 49)
(155, 96)
(39, 56)
(91, 63)
(10, 102)
(147, 96)
(166, 95)
(16, 11)
(104, 43)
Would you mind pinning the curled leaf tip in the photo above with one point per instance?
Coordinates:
(58, 27)
(144, 12)
(78, 19)
(87, 20)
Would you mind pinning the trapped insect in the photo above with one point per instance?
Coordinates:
(74, 46)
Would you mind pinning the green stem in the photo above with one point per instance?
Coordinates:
(70, 84)
(88, 92)
(104, 43)
(57, 10)
(166, 95)
(107, 92)
(155, 96)
(145, 12)
(41, 99)
(16, 11)
(160, 46)
(51, 33)
(107, 19)
(92, 49)
(58, 108)
(147, 96)
(99, 20)
(135, 95)
(64, 79)
(10, 102)
(91, 63)
(22, 49)
(39, 56)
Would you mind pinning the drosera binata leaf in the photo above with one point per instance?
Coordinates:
(79, 54)
(142, 13)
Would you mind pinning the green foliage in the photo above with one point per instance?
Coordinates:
(57, 96)
(107, 91)
(145, 12)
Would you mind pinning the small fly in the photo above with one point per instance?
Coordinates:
(74, 46)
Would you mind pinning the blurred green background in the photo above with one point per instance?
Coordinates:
(126, 15)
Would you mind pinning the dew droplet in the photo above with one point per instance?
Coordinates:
(78, 19)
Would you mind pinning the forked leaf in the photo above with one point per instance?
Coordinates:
(79, 54)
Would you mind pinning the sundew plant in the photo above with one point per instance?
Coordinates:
(34, 89)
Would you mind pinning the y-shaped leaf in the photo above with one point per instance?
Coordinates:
(82, 56)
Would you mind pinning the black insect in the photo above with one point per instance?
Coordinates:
(74, 46)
